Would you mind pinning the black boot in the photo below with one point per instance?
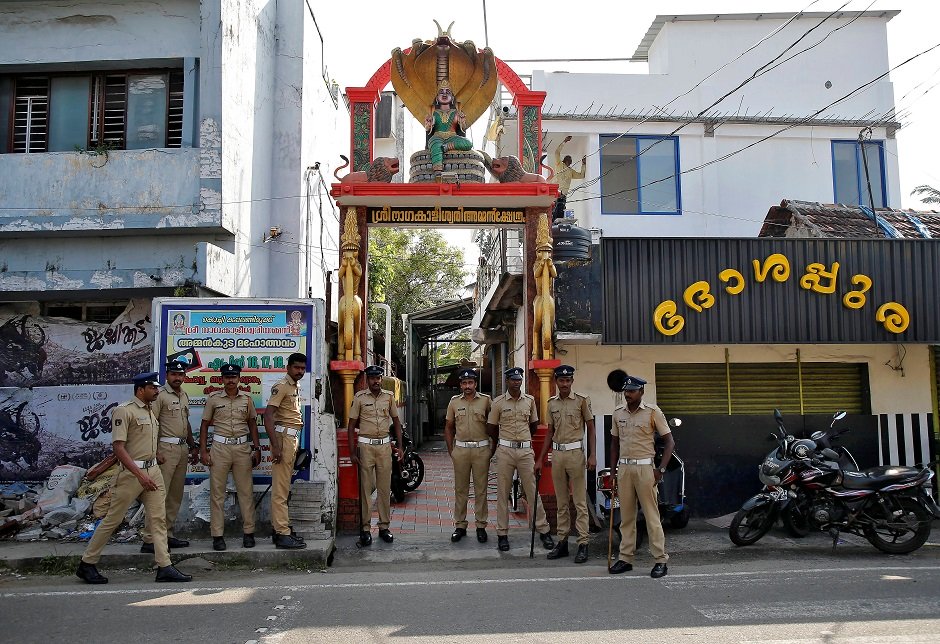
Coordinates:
(287, 542)
(481, 535)
(169, 573)
(582, 555)
(386, 536)
(365, 538)
(248, 540)
(547, 542)
(147, 548)
(218, 543)
(459, 533)
(560, 550)
(502, 542)
(173, 542)
(89, 574)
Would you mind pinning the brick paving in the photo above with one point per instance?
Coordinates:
(430, 508)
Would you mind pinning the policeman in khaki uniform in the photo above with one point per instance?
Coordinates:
(635, 424)
(175, 450)
(134, 439)
(235, 449)
(371, 412)
(469, 447)
(283, 423)
(568, 414)
(512, 421)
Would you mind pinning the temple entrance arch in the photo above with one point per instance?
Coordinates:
(423, 76)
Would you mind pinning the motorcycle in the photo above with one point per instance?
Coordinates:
(889, 506)
(408, 473)
(795, 516)
(673, 510)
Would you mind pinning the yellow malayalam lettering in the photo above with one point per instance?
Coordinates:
(665, 319)
(893, 316)
(732, 274)
(776, 265)
(857, 299)
(818, 279)
(697, 296)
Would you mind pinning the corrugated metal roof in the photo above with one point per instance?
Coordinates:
(793, 218)
(640, 275)
(643, 49)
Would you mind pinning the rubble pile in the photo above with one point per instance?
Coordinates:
(66, 507)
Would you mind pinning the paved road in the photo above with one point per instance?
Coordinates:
(847, 599)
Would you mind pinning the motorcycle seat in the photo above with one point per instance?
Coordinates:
(876, 477)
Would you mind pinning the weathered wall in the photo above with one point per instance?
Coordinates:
(35, 32)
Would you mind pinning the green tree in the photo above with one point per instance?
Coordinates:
(926, 194)
(411, 270)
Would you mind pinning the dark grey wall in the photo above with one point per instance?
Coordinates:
(639, 274)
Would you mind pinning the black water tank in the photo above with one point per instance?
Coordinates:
(571, 242)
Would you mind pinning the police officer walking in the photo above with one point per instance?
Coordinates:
(283, 423)
(176, 448)
(236, 449)
(568, 414)
(512, 421)
(469, 448)
(134, 440)
(635, 424)
(371, 412)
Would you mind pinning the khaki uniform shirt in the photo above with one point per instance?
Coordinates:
(513, 416)
(636, 430)
(285, 396)
(172, 411)
(566, 416)
(134, 423)
(469, 416)
(229, 416)
(375, 413)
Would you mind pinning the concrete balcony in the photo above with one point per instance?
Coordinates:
(78, 193)
(499, 279)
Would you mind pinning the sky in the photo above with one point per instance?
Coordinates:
(607, 29)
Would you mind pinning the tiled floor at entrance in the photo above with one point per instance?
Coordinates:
(430, 508)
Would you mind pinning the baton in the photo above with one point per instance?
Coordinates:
(610, 520)
(535, 506)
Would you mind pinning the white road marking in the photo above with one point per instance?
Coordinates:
(600, 576)
(830, 609)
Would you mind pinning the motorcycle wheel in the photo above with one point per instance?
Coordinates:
(796, 517)
(414, 467)
(748, 526)
(899, 535)
(680, 519)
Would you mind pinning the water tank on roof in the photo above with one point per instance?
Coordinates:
(571, 242)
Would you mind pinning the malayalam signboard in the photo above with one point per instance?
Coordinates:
(257, 335)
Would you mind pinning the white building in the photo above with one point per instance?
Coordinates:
(163, 149)
(669, 157)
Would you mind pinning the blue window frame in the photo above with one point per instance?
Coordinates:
(849, 182)
(640, 175)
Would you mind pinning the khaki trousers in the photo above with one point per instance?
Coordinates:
(467, 461)
(637, 482)
(237, 460)
(569, 469)
(281, 474)
(125, 489)
(173, 469)
(522, 460)
(375, 475)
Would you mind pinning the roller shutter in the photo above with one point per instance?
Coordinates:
(758, 388)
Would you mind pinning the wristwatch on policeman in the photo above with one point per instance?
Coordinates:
(662, 470)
